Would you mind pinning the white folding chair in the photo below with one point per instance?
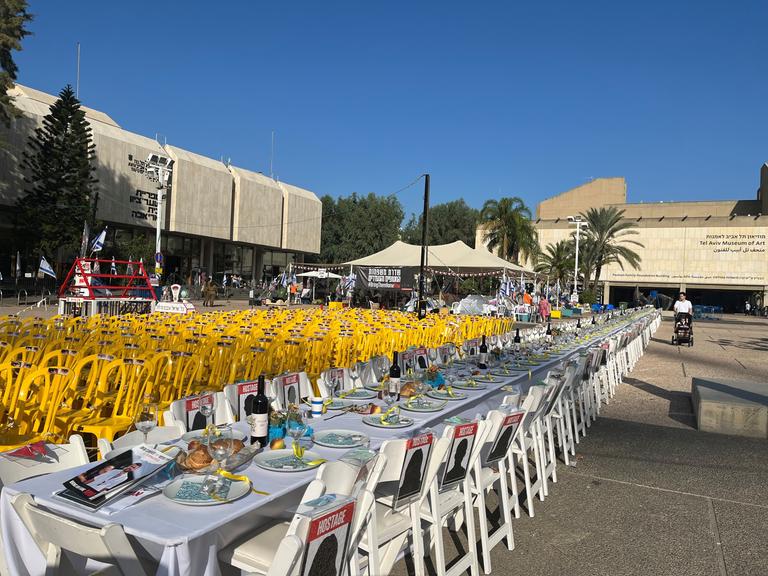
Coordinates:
(54, 533)
(393, 523)
(62, 456)
(453, 505)
(157, 435)
(527, 441)
(261, 551)
(496, 476)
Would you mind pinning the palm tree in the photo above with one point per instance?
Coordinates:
(508, 228)
(606, 241)
(556, 261)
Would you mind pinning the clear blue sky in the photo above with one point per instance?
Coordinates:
(510, 98)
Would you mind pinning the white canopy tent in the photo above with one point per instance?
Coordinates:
(455, 257)
(318, 274)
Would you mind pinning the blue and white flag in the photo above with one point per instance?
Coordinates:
(350, 281)
(46, 268)
(98, 243)
(129, 268)
(284, 279)
(113, 267)
(224, 281)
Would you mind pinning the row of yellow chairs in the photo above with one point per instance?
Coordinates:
(67, 375)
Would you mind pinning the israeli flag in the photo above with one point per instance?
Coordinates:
(46, 268)
(224, 281)
(98, 242)
(284, 279)
(350, 281)
(113, 267)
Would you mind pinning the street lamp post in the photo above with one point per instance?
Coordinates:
(160, 166)
(578, 222)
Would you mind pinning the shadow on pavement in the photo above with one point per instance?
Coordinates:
(680, 407)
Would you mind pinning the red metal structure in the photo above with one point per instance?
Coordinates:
(82, 282)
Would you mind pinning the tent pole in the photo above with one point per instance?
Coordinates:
(421, 305)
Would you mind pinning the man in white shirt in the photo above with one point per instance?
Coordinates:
(683, 306)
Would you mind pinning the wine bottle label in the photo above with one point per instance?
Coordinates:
(483, 357)
(259, 425)
(394, 385)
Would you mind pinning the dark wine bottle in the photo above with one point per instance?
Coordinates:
(593, 319)
(483, 362)
(393, 386)
(516, 340)
(259, 418)
(548, 336)
(578, 326)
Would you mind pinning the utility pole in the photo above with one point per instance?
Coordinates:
(422, 304)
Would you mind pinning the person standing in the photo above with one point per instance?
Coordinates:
(544, 309)
(747, 308)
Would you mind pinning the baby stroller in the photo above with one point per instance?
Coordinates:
(683, 329)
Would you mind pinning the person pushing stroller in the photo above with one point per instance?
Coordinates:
(683, 332)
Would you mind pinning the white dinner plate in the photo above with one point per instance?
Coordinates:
(428, 406)
(358, 394)
(375, 420)
(443, 395)
(187, 490)
(337, 404)
(467, 385)
(340, 438)
(284, 460)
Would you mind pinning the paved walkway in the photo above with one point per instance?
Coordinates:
(649, 494)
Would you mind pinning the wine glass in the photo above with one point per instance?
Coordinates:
(146, 418)
(207, 406)
(220, 445)
(296, 425)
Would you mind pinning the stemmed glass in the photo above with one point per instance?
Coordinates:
(207, 406)
(146, 418)
(220, 444)
(296, 424)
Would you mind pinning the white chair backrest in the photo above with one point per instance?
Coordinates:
(178, 413)
(280, 386)
(395, 451)
(62, 456)
(157, 435)
(289, 552)
(108, 544)
(341, 477)
(462, 459)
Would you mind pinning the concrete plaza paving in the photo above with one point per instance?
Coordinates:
(651, 495)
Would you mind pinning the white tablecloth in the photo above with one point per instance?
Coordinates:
(185, 540)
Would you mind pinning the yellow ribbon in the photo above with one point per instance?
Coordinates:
(238, 478)
(412, 398)
(298, 451)
(384, 418)
(449, 390)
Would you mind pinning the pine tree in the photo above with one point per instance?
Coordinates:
(13, 17)
(60, 192)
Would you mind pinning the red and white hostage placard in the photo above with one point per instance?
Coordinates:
(407, 361)
(246, 393)
(195, 420)
(504, 438)
(291, 391)
(457, 464)
(417, 451)
(421, 358)
(327, 541)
